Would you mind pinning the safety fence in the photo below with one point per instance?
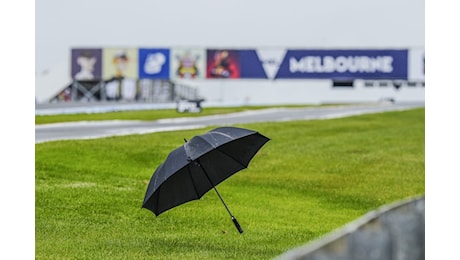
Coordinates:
(129, 90)
(392, 232)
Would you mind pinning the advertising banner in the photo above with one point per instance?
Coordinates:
(250, 65)
(344, 64)
(86, 64)
(188, 64)
(154, 63)
(264, 63)
(120, 62)
(222, 64)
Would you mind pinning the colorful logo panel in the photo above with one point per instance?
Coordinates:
(188, 64)
(86, 64)
(120, 62)
(344, 64)
(222, 64)
(154, 63)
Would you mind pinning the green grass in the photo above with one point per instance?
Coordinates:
(311, 178)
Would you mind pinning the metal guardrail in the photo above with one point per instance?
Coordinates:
(393, 232)
(128, 90)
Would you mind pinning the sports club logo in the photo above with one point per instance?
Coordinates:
(154, 63)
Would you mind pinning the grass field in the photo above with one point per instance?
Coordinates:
(311, 178)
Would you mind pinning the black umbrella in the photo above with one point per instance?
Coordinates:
(199, 165)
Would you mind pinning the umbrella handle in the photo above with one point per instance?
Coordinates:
(237, 225)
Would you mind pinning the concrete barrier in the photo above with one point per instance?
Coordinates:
(393, 232)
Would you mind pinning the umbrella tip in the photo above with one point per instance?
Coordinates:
(185, 140)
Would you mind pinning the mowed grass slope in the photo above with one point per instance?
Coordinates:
(311, 178)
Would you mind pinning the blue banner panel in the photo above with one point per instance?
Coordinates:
(344, 64)
(250, 65)
(86, 64)
(154, 63)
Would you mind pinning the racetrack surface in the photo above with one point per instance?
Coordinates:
(99, 129)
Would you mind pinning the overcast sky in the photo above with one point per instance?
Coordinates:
(62, 25)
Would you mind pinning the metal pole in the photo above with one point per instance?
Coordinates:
(237, 225)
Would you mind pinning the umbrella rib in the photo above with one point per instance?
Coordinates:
(230, 156)
(158, 200)
(193, 182)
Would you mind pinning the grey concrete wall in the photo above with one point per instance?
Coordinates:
(393, 232)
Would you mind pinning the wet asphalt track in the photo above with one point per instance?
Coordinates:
(98, 129)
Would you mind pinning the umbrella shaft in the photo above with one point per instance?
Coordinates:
(223, 202)
(237, 225)
(214, 187)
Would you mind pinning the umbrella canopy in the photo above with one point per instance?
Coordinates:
(199, 165)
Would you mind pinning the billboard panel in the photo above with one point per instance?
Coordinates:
(154, 63)
(120, 62)
(86, 64)
(264, 63)
(344, 64)
(188, 63)
(222, 64)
